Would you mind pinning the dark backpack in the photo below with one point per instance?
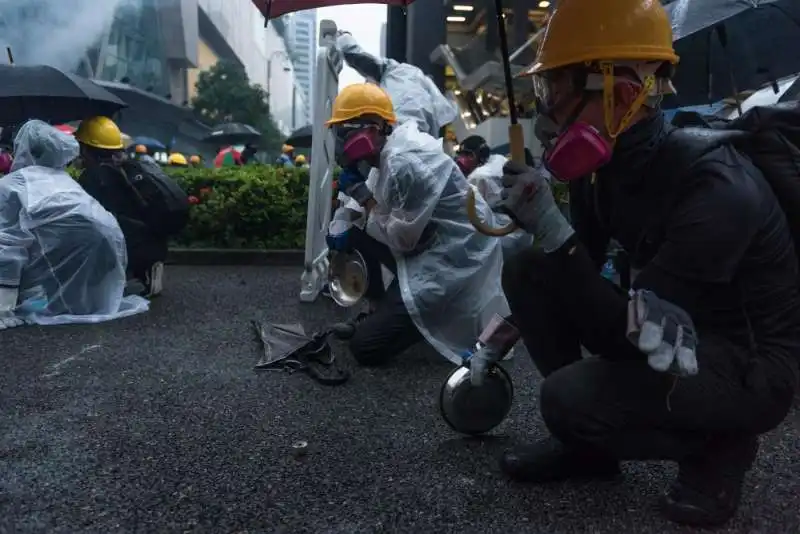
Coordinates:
(769, 136)
(164, 204)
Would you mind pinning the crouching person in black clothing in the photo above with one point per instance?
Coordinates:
(701, 357)
(104, 177)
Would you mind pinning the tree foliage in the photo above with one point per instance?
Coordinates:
(225, 94)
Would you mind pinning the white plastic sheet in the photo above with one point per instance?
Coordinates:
(415, 97)
(449, 279)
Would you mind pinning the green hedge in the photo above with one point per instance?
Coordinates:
(254, 207)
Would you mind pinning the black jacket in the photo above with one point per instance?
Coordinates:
(110, 188)
(711, 239)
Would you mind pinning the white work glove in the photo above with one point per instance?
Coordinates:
(528, 199)
(8, 303)
(664, 332)
(479, 364)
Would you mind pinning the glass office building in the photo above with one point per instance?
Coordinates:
(132, 50)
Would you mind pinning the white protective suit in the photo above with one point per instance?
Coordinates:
(487, 179)
(452, 288)
(414, 95)
(64, 252)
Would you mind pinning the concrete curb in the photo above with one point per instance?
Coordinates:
(221, 256)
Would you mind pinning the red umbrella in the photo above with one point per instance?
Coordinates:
(66, 128)
(228, 157)
(275, 8)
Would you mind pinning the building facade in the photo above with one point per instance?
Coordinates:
(161, 46)
(301, 35)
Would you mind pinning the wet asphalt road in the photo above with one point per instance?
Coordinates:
(159, 424)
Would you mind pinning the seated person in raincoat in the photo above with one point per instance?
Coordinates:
(484, 171)
(447, 276)
(62, 256)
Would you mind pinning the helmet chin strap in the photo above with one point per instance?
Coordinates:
(609, 105)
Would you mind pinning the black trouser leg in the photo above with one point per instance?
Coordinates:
(386, 332)
(616, 403)
(143, 251)
(375, 254)
(554, 322)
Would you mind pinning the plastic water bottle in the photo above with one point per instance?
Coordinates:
(608, 270)
(34, 305)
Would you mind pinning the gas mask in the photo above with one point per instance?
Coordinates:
(356, 143)
(6, 161)
(578, 149)
(467, 162)
(575, 150)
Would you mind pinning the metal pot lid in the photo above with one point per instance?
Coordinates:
(473, 410)
(349, 279)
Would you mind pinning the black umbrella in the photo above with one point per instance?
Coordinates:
(143, 102)
(46, 93)
(300, 138)
(729, 46)
(233, 133)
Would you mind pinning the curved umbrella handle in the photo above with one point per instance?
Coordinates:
(482, 227)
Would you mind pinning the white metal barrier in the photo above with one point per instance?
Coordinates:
(320, 187)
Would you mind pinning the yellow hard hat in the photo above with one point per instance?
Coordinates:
(141, 149)
(195, 159)
(300, 159)
(582, 31)
(287, 148)
(177, 159)
(362, 99)
(100, 132)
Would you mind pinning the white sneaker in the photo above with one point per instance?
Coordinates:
(154, 280)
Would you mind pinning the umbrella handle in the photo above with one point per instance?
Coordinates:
(482, 227)
(516, 142)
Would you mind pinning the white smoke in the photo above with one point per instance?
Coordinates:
(54, 32)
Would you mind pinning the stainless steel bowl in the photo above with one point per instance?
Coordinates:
(472, 409)
(348, 278)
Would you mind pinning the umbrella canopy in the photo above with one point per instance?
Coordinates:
(233, 133)
(729, 46)
(42, 92)
(300, 138)
(152, 145)
(150, 103)
(228, 157)
(275, 8)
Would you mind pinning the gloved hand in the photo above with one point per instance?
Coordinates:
(480, 362)
(353, 184)
(527, 197)
(664, 332)
(8, 303)
(338, 242)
